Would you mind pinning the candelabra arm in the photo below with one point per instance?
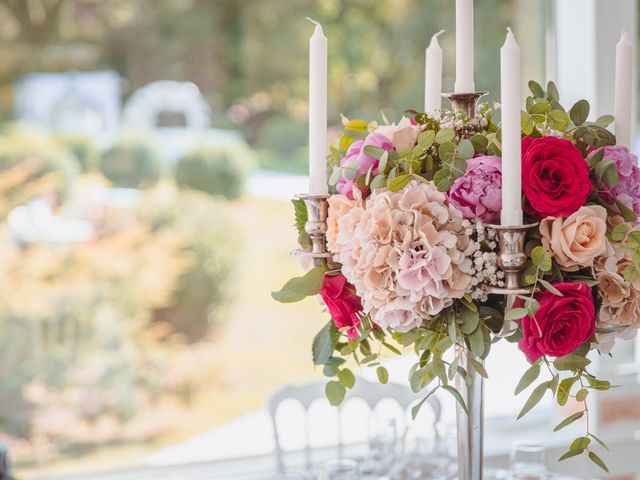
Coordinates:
(316, 228)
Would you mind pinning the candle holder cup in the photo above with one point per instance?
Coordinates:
(465, 102)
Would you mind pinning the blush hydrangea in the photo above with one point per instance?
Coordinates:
(627, 191)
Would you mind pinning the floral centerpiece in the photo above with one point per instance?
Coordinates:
(414, 255)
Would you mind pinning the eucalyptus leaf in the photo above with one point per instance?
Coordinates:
(530, 376)
(598, 461)
(476, 342)
(606, 172)
(550, 288)
(399, 182)
(426, 138)
(479, 367)
(536, 89)
(569, 454)
(324, 343)
(579, 112)
(571, 362)
(416, 408)
(516, 313)
(439, 368)
(470, 320)
(582, 394)
(526, 123)
(446, 151)
(378, 181)
(298, 288)
(540, 108)
(373, 151)
(552, 92)
(534, 399)
(466, 149)
(558, 120)
(383, 374)
(457, 396)
(627, 214)
(568, 421)
(335, 392)
(605, 120)
(346, 378)
(564, 390)
(445, 135)
(480, 143)
(541, 258)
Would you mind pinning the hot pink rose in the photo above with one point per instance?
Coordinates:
(477, 194)
(555, 177)
(561, 324)
(343, 304)
(355, 158)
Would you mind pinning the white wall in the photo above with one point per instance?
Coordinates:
(586, 35)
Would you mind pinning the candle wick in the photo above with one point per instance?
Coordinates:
(509, 30)
(313, 21)
(439, 33)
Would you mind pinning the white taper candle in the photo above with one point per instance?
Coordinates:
(433, 77)
(318, 112)
(464, 47)
(511, 214)
(623, 90)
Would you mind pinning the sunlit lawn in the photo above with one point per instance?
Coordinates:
(260, 346)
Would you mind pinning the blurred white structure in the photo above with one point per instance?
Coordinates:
(76, 103)
(176, 117)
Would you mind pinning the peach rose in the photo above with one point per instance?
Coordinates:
(577, 240)
(620, 299)
(403, 134)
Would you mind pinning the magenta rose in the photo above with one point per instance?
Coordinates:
(627, 190)
(555, 177)
(561, 324)
(356, 158)
(344, 305)
(477, 194)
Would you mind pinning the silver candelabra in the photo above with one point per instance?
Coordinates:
(512, 259)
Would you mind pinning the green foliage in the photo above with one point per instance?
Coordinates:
(33, 165)
(215, 171)
(283, 133)
(324, 344)
(335, 392)
(82, 149)
(383, 374)
(131, 163)
(299, 288)
(212, 241)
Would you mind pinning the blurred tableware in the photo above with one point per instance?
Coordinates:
(382, 441)
(338, 469)
(527, 460)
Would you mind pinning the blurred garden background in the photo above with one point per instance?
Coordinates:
(143, 144)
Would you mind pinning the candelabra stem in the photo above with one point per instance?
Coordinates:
(470, 424)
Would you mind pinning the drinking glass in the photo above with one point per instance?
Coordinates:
(382, 442)
(338, 469)
(527, 460)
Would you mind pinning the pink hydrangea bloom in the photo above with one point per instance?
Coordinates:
(477, 194)
(628, 189)
(402, 251)
(356, 158)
